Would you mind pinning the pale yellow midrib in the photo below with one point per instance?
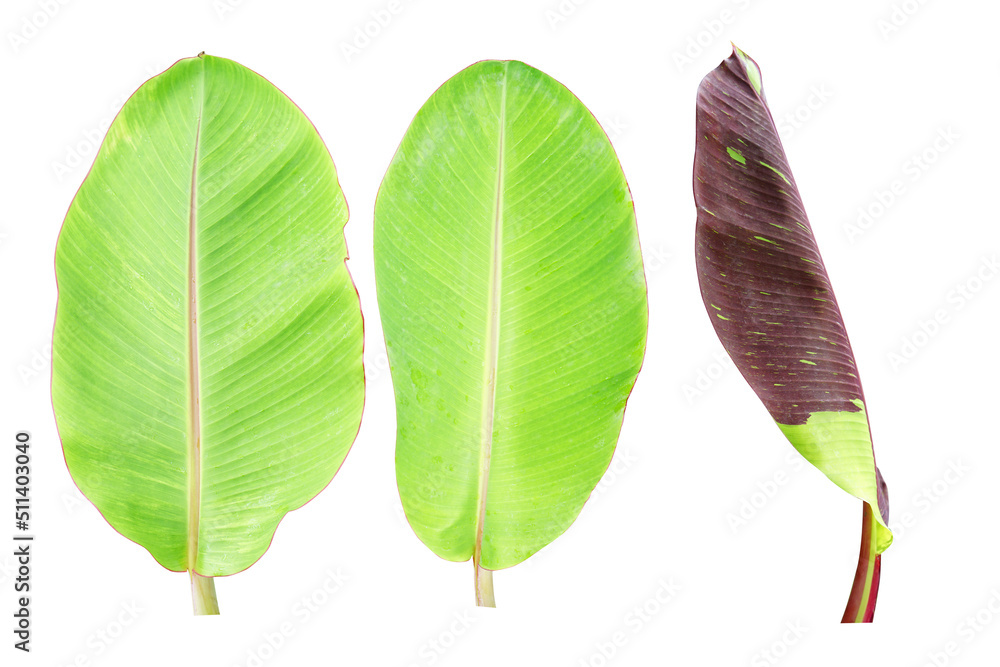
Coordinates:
(493, 335)
(194, 376)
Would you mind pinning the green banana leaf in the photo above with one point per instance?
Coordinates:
(771, 301)
(207, 374)
(513, 302)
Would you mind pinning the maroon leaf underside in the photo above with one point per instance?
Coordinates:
(762, 278)
(775, 293)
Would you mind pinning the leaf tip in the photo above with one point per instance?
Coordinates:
(751, 68)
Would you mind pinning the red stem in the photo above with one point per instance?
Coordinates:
(861, 607)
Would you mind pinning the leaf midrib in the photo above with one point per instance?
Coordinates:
(194, 376)
(493, 333)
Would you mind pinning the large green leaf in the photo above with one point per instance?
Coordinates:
(207, 373)
(513, 301)
(772, 304)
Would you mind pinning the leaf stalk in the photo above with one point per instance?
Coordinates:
(864, 592)
(484, 587)
(203, 597)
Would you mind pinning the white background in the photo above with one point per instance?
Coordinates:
(867, 90)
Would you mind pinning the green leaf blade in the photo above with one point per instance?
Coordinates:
(277, 373)
(505, 194)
